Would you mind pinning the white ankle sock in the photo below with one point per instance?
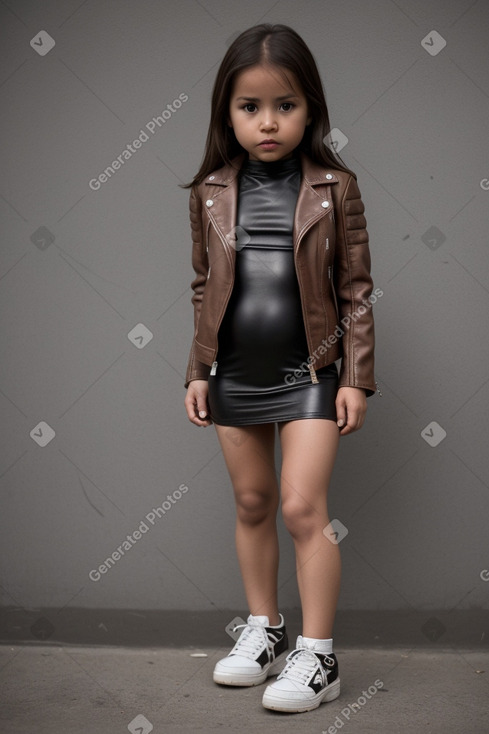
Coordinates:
(325, 646)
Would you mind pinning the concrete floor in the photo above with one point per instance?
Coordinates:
(78, 689)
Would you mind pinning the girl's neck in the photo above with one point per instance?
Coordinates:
(288, 162)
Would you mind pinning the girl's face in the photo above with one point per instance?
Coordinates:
(263, 108)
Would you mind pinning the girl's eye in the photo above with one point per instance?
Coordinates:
(289, 106)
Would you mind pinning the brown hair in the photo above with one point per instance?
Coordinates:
(272, 45)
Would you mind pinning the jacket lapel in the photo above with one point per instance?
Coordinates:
(222, 187)
(310, 203)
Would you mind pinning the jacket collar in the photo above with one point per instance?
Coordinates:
(220, 194)
(312, 172)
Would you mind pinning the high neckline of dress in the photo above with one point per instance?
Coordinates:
(272, 168)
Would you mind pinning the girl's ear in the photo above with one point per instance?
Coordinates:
(309, 120)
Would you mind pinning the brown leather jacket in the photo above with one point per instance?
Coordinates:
(332, 262)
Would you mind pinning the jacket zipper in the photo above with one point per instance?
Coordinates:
(312, 372)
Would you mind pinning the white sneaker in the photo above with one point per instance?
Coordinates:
(259, 652)
(309, 679)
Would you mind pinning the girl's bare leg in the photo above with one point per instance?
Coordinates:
(249, 455)
(309, 450)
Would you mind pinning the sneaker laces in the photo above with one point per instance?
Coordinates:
(301, 664)
(251, 641)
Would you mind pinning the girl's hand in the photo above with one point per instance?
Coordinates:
(196, 403)
(351, 408)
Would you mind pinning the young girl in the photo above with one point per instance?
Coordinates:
(282, 290)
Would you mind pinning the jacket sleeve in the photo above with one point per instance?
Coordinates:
(197, 370)
(353, 286)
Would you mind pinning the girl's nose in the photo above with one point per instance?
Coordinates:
(268, 122)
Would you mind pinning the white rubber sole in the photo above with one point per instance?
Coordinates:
(274, 701)
(233, 678)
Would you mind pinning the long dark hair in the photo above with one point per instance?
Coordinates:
(279, 46)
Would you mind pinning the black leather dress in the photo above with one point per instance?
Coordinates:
(261, 340)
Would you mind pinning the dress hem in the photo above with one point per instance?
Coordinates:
(274, 420)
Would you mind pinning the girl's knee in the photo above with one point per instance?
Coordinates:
(253, 507)
(300, 518)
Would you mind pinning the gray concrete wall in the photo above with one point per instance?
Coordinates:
(96, 320)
